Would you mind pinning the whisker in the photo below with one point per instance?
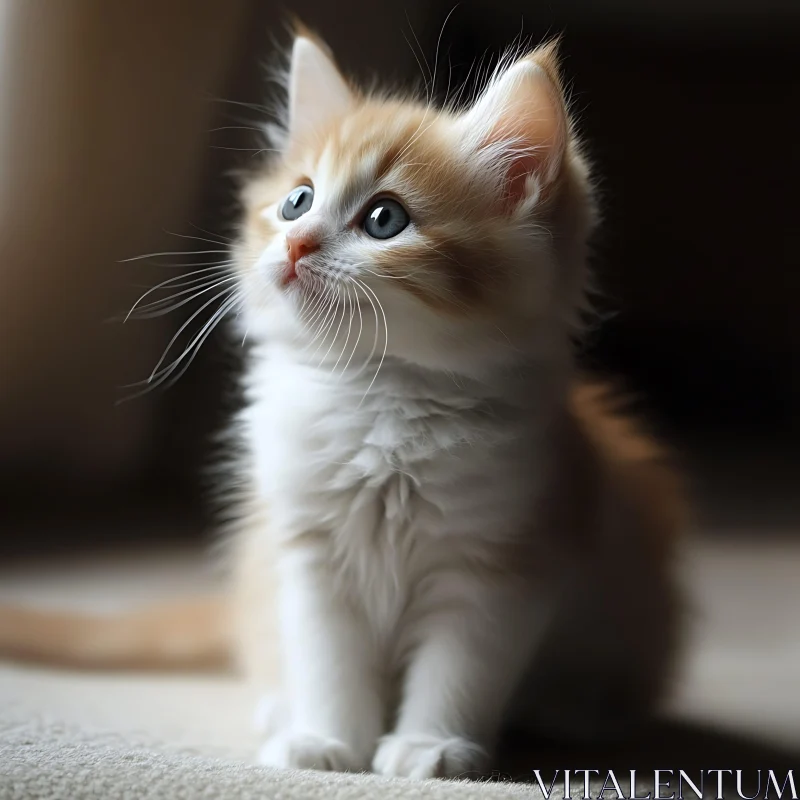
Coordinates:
(317, 308)
(385, 338)
(184, 326)
(390, 277)
(251, 106)
(328, 309)
(301, 312)
(193, 348)
(349, 328)
(178, 281)
(324, 309)
(155, 309)
(198, 342)
(304, 310)
(340, 306)
(255, 150)
(438, 44)
(335, 308)
(222, 266)
(158, 377)
(171, 283)
(182, 265)
(360, 327)
(188, 236)
(237, 128)
(173, 253)
(425, 75)
(375, 340)
(211, 233)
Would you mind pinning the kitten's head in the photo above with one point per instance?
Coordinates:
(451, 239)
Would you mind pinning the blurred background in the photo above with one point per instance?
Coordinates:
(123, 123)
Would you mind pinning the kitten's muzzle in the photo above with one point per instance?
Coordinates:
(297, 246)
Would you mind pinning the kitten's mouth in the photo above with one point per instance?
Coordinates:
(288, 274)
(300, 275)
(309, 283)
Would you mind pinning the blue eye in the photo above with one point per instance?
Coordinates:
(385, 219)
(297, 203)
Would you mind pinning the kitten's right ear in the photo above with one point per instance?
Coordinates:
(317, 91)
(520, 121)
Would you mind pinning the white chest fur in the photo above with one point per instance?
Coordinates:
(419, 472)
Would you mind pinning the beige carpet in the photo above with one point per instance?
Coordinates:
(64, 734)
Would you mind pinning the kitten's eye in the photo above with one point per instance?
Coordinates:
(297, 203)
(385, 219)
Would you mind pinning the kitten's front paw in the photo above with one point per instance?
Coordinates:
(426, 756)
(294, 750)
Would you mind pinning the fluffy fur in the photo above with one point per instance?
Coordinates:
(443, 530)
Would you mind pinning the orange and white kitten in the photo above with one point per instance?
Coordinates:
(461, 538)
(442, 531)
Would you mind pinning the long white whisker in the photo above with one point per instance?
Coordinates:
(339, 306)
(439, 42)
(158, 309)
(185, 324)
(185, 279)
(301, 311)
(193, 347)
(321, 316)
(211, 233)
(426, 77)
(385, 337)
(158, 378)
(179, 294)
(349, 328)
(173, 253)
(389, 277)
(360, 327)
(317, 309)
(368, 359)
(328, 309)
(237, 128)
(254, 150)
(318, 288)
(184, 264)
(188, 236)
(180, 281)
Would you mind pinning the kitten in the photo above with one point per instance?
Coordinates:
(460, 536)
(443, 530)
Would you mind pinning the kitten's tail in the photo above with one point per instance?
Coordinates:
(192, 634)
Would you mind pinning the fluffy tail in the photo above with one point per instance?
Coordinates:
(192, 634)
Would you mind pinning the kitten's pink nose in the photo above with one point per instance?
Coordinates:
(299, 245)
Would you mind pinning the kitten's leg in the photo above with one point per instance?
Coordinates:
(334, 690)
(465, 669)
(269, 715)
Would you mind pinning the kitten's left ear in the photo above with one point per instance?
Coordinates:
(520, 123)
(317, 91)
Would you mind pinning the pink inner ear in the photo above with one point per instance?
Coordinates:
(525, 113)
(537, 132)
(516, 177)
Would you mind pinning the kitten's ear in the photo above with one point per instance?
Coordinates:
(317, 91)
(520, 123)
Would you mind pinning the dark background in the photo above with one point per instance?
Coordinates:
(690, 115)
